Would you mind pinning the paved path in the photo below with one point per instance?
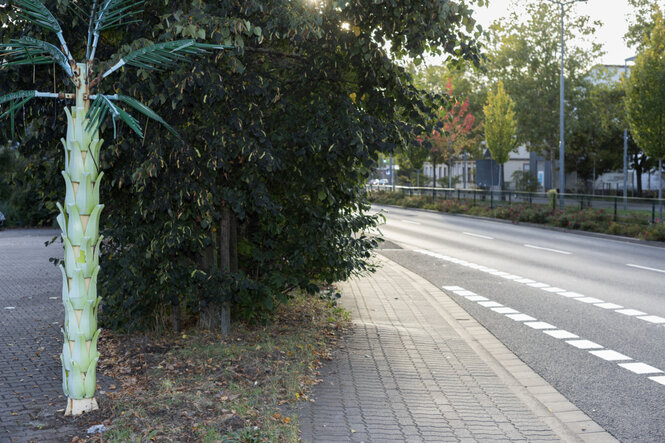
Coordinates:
(418, 368)
(31, 315)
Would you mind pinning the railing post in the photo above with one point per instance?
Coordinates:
(615, 208)
(653, 212)
(491, 200)
(474, 198)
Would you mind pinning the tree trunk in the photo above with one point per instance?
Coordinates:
(501, 177)
(79, 221)
(217, 315)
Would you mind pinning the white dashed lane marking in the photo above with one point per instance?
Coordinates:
(561, 334)
(654, 319)
(589, 300)
(548, 249)
(540, 325)
(608, 306)
(609, 355)
(410, 222)
(593, 348)
(646, 268)
(630, 312)
(584, 344)
(471, 234)
(520, 317)
(640, 368)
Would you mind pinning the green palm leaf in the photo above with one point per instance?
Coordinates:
(147, 112)
(30, 51)
(101, 106)
(113, 13)
(17, 100)
(19, 95)
(163, 54)
(35, 12)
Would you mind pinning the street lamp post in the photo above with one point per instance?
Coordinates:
(562, 171)
(625, 145)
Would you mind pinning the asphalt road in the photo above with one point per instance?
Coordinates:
(595, 307)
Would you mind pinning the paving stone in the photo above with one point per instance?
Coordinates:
(409, 370)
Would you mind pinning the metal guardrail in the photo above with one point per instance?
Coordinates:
(650, 207)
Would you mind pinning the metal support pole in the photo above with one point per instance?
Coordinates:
(660, 189)
(625, 146)
(562, 172)
(464, 173)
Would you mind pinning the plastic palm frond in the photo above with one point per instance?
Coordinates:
(110, 14)
(161, 55)
(101, 106)
(35, 12)
(30, 51)
(16, 101)
(113, 13)
(143, 109)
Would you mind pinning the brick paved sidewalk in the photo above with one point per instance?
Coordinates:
(418, 368)
(31, 315)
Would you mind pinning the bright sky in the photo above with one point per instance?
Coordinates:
(614, 15)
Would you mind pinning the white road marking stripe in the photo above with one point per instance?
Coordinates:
(630, 312)
(525, 281)
(640, 368)
(554, 289)
(659, 379)
(561, 334)
(610, 355)
(584, 344)
(490, 304)
(589, 300)
(609, 306)
(499, 273)
(646, 268)
(540, 325)
(477, 298)
(505, 310)
(653, 319)
(410, 222)
(570, 294)
(539, 285)
(453, 288)
(511, 277)
(520, 317)
(464, 293)
(548, 249)
(486, 237)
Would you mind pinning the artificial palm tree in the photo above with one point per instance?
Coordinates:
(79, 217)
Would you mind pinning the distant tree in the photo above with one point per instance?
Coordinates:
(500, 126)
(641, 22)
(416, 154)
(645, 96)
(525, 53)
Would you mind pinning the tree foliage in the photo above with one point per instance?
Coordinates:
(525, 54)
(500, 126)
(645, 93)
(282, 132)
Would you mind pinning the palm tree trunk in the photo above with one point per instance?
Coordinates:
(79, 221)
